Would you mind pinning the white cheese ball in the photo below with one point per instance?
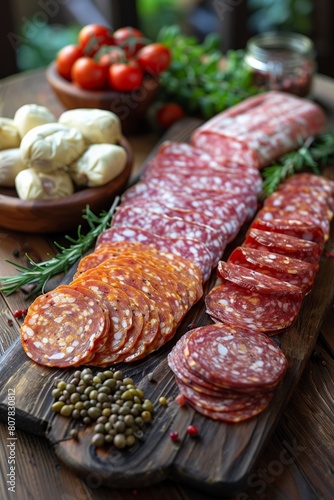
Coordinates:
(34, 185)
(9, 134)
(30, 116)
(11, 164)
(98, 165)
(98, 126)
(52, 147)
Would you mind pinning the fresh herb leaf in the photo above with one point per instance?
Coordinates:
(200, 78)
(39, 274)
(313, 153)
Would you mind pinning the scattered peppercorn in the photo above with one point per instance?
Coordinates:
(16, 253)
(109, 400)
(19, 313)
(10, 322)
(174, 436)
(180, 399)
(191, 326)
(192, 430)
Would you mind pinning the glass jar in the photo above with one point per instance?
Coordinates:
(282, 61)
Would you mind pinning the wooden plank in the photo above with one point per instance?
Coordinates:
(220, 461)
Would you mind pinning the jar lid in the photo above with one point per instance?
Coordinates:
(280, 50)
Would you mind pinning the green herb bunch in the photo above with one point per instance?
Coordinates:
(200, 78)
(38, 274)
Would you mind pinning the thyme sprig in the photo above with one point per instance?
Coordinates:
(38, 274)
(313, 153)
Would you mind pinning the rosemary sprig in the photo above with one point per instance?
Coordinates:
(38, 274)
(313, 153)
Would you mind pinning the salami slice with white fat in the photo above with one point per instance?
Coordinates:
(64, 328)
(189, 249)
(299, 229)
(294, 271)
(252, 300)
(173, 228)
(284, 244)
(235, 359)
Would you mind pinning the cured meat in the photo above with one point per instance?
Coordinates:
(252, 300)
(299, 229)
(311, 180)
(164, 164)
(119, 306)
(181, 269)
(293, 271)
(227, 222)
(260, 129)
(283, 244)
(64, 328)
(216, 205)
(192, 184)
(191, 250)
(297, 201)
(173, 228)
(235, 359)
(307, 193)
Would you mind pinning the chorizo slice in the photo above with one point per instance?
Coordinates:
(64, 328)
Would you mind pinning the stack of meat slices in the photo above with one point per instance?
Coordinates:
(225, 372)
(264, 281)
(188, 203)
(119, 310)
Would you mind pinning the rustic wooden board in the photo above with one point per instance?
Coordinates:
(219, 460)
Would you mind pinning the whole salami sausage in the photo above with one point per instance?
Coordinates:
(260, 129)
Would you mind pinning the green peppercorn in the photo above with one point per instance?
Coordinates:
(98, 440)
(120, 440)
(94, 413)
(66, 410)
(56, 407)
(56, 393)
(61, 385)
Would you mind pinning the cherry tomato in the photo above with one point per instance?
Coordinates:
(88, 74)
(154, 58)
(65, 59)
(93, 36)
(110, 55)
(125, 77)
(168, 114)
(130, 39)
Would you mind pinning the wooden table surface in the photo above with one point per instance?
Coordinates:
(298, 460)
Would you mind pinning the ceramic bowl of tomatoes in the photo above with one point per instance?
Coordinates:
(114, 70)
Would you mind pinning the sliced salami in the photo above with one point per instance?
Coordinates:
(283, 244)
(172, 227)
(64, 328)
(252, 300)
(120, 311)
(235, 359)
(293, 271)
(189, 249)
(307, 179)
(304, 215)
(296, 201)
(245, 205)
(299, 229)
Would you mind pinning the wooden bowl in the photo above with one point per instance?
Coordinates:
(61, 214)
(129, 106)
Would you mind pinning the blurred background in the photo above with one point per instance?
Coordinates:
(32, 31)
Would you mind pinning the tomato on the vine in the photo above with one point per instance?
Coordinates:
(130, 39)
(88, 74)
(93, 36)
(154, 58)
(168, 114)
(65, 59)
(125, 76)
